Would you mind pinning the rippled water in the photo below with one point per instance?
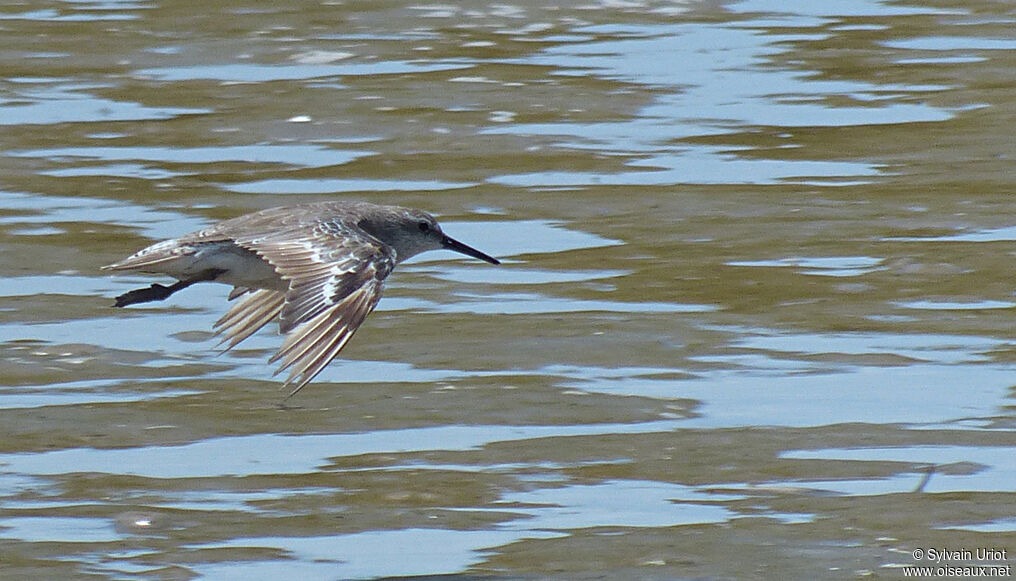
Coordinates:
(754, 321)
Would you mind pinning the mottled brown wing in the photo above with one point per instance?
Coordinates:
(336, 275)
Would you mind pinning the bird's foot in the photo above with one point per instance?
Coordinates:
(156, 292)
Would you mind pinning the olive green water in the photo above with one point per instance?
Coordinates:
(755, 318)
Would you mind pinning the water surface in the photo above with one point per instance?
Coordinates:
(755, 317)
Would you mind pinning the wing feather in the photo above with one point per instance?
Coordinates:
(336, 274)
(311, 346)
(249, 315)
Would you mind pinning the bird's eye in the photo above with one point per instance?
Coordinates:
(424, 226)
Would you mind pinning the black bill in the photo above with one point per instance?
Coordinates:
(452, 244)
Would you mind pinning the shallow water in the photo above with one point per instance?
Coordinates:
(754, 321)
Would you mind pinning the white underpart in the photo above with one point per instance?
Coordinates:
(241, 268)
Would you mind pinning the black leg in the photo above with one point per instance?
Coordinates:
(158, 292)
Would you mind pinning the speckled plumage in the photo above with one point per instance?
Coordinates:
(317, 268)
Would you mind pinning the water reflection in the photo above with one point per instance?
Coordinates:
(22, 208)
(70, 103)
(331, 186)
(723, 81)
(254, 73)
(56, 529)
(990, 469)
(838, 266)
(364, 555)
(282, 454)
(626, 503)
(56, 16)
(298, 155)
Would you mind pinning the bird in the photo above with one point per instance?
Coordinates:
(318, 268)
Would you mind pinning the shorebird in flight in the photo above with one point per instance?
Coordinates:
(319, 268)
